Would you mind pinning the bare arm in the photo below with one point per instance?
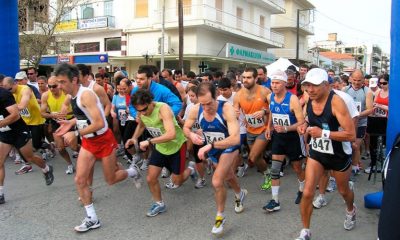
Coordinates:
(233, 129)
(191, 119)
(26, 95)
(105, 101)
(369, 103)
(181, 91)
(236, 104)
(44, 106)
(296, 108)
(88, 100)
(339, 110)
(13, 117)
(167, 117)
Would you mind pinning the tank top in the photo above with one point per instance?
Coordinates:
(359, 97)
(155, 127)
(281, 114)
(383, 101)
(254, 125)
(31, 114)
(326, 121)
(55, 104)
(91, 84)
(7, 100)
(82, 115)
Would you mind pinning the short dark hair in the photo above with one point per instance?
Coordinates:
(191, 74)
(153, 68)
(32, 68)
(68, 70)
(44, 78)
(251, 69)
(106, 75)
(264, 69)
(210, 77)
(331, 70)
(85, 71)
(99, 75)
(219, 74)
(367, 76)
(384, 76)
(304, 66)
(167, 70)
(178, 72)
(195, 82)
(193, 89)
(141, 97)
(147, 70)
(224, 83)
(206, 87)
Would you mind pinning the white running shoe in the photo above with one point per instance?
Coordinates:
(200, 183)
(304, 235)
(87, 224)
(350, 220)
(319, 202)
(242, 170)
(218, 228)
(145, 165)
(165, 172)
(70, 169)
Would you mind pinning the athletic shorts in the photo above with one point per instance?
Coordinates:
(361, 131)
(16, 138)
(175, 162)
(331, 162)
(289, 144)
(196, 149)
(55, 125)
(215, 154)
(251, 138)
(100, 146)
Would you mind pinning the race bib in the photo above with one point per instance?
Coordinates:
(212, 137)
(322, 145)
(281, 119)
(130, 118)
(81, 124)
(5, 128)
(358, 106)
(154, 132)
(122, 116)
(254, 122)
(380, 112)
(196, 126)
(25, 113)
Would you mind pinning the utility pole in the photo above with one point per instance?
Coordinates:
(297, 36)
(162, 36)
(180, 17)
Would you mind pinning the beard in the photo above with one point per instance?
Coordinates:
(249, 85)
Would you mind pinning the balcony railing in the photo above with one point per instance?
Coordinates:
(218, 19)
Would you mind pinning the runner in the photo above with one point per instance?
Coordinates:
(252, 100)
(97, 141)
(169, 145)
(330, 128)
(221, 135)
(286, 115)
(15, 133)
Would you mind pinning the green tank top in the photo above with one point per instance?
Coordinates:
(155, 127)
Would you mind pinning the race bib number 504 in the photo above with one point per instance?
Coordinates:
(280, 119)
(322, 145)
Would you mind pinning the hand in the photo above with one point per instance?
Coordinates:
(113, 115)
(280, 129)
(65, 126)
(314, 132)
(259, 114)
(301, 129)
(268, 134)
(202, 152)
(144, 145)
(58, 116)
(196, 138)
(130, 142)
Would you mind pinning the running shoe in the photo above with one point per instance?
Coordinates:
(156, 209)
(2, 201)
(267, 183)
(272, 206)
(136, 158)
(366, 156)
(171, 185)
(332, 185)
(209, 168)
(70, 169)
(239, 201)
(242, 170)
(87, 224)
(24, 169)
(18, 159)
(319, 202)
(350, 220)
(304, 235)
(298, 197)
(193, 172)
(137, 179)
(75, 154)
(49, 177)
(165, 173)
(218, 228)
(145, 165)
(200, 183)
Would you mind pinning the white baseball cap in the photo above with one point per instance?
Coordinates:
(316, 76)
(373, 82)
(278, 75)
(21, 75)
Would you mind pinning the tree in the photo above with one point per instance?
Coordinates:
(38, 20)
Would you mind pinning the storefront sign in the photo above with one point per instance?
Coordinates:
(97, 22)
(250, 54)
(66, 26)
(65, 59)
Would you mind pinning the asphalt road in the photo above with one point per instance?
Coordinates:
(36, 211)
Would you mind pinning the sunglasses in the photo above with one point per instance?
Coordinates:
(31, 73)
(143, 110)
(383, 83)
(52, 86)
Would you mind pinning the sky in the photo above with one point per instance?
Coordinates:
(355, 21)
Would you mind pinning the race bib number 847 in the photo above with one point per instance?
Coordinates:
(322, 145)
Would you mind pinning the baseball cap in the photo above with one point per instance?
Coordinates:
(278, 75)
(21, 75)
(316, 76)
(373, 82)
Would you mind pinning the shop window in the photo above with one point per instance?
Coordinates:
(113, 44)
(87, 47)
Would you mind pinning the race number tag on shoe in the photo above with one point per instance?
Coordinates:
(5, 128)
(254, 122)
(25, 113)
(81, 124)
(322, 145)
(212, 137)
(281, 119)
(154, 132)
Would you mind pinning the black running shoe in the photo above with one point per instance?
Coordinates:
(298, 198)
(2, 201)
(49, 177)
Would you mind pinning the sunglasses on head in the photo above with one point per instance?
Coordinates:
(52, 86)
(142, 110)
(383, 83)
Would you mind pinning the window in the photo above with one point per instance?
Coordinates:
(141, 8)
(262, 25)
(62, 47)
(87, 11)
(218, 7)
(108, 8)
(67, 15)
(87, 47)
(239, 16)
(113, 44)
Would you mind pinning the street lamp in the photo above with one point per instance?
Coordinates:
(298, 33)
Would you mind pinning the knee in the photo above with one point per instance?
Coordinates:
(80, 181)
(151, 180)
(217, 182)
(276, 169)
(308, 194)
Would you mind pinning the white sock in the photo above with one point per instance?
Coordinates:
(90, 212)
(237, 195)
(161, 203)
(221, 214)
(275, 193)
(301, 185)
(45, 169)
(354, 167)
(131, 172)
(322, 195)
(1, 190)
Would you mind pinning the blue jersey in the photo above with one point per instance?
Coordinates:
(281, 114)
(120, 107)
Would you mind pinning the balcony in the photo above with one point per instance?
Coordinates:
(275, 6)
(86, 24)
(281, 23)
(218, 20)
(290, 53)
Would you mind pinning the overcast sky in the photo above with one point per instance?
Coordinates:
(355, 21)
